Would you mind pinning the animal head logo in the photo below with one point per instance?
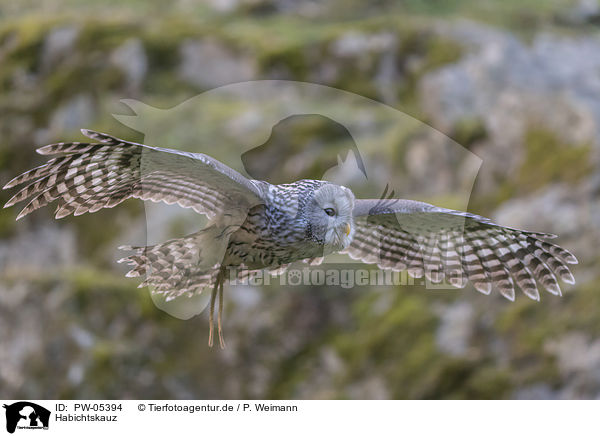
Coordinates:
(27, 415)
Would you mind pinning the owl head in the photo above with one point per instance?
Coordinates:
(329, 215)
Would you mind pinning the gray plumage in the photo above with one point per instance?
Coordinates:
(255, 225)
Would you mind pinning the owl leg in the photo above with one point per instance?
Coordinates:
(221, 339)
(212, 312)
(217, 289)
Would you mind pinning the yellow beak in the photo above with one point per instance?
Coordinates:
(347, 229)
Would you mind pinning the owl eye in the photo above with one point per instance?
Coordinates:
(329, 211)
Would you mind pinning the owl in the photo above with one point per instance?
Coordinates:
(254, 225)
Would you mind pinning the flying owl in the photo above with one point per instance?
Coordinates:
(254, 225)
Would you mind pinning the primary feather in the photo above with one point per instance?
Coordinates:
(442, 243)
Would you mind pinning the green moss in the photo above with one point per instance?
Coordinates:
(399, 346)
(96, 231)
(8, 161)
(488, 383)
(287, 46)
(288, 59)
(25, 38)
(548, 159)
(85, 279)
(74, 79)
(439, 51)
(527, 327)
(467, 131)
(402, 335)
(430, 52)
(103, 35)
(7, 222)
(292, 371)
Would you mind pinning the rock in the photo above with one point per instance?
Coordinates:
(224, 6)
(39, 248)
(372, 387)
(571, 213)
(456, 328)
(387, 77)
(509, 84)
(583, 12)
(58, 45)
(355, 44)
(512, 89)
(209, 64)
(576, 353)
(556, 210)
(539, 391)
(578, 359)
(130, 57)
(74, 114)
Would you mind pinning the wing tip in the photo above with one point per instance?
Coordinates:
(22, 214)
(61, 214)
(508, 293)
(14, 200)
(554, 289)
(46, 149)
(99, 136)
(484, 288)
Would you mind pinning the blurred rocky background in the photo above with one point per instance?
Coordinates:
(516, 83)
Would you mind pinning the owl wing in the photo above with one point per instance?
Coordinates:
(87, 177)
(457, 246)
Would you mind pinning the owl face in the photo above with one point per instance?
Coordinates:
(330, 216)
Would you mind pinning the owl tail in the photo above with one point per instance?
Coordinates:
(180, 266)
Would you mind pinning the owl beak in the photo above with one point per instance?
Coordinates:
(347, 229)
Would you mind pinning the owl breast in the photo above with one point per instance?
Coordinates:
(270, 237)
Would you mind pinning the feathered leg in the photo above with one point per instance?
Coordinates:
(212, 312)
(221, 339)
(217, 289)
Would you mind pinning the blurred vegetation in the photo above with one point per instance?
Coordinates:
(547, 159)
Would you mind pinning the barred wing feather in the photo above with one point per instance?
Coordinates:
(87, 177)
(457, 246)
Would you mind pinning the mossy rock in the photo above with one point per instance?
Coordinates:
(547, 159)
(468, 131)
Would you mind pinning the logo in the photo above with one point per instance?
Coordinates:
(26, 415)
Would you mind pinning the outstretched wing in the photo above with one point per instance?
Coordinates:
(457, 246)
(91, 176)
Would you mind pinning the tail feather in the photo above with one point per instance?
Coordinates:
(179, 266)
